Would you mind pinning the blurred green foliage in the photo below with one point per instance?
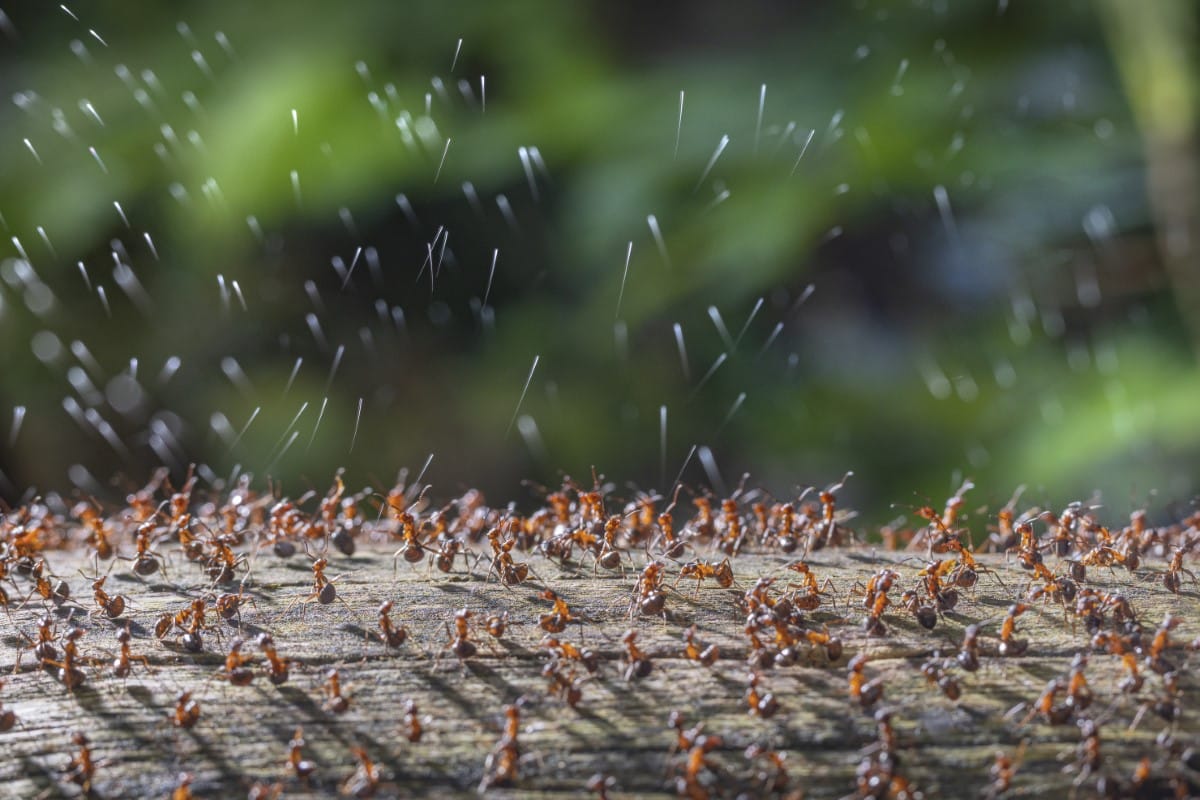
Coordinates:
(972, 210)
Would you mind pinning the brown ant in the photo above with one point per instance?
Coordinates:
(639, 664)
(1173, 577)
(600, 784)
(277, 668)
(690, 783)
(112, 605)
(70, 675)
(192, 620)
(81, 769)
(811, 599)
(556, 621)
(364, 781)
(183, 787)
(147, 561)
(773, 778)
(502, 767)
(936, 673)
(412, 723)
(8, 717)
(721, 572)
(1003, 770)
(648, 595)
(336, 702)
(187, 711)
(1009, 645)
(865, 693)
(123, 665)
(697, 651)
(511, 572)
(296, 760)
(389, 633)
(496, 624)
(229, 605)
(968, 654)
(460, 641)
(237, 665)
(760, 704)
(925, 614)
(876, 601)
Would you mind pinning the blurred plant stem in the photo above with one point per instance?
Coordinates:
(1155, 48)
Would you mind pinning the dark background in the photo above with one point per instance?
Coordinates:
(1038, 325)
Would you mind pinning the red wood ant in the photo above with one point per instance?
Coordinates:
(335, 701)
(721, 572)
(364, 781)
(187, 711)
(502, 767)
(412, 722)
(8, 717)
(302, 767)
(237, 665)
(81, 769)
(760, 704)
(390, 634)
(277, 668)
(638, 664)
(648, 595)
(112, 605)
(865, 693)
(697, 651)
(123, 665)
(556, 621)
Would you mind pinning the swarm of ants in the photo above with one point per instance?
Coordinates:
(776, 566)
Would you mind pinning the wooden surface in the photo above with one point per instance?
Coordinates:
(620, 728)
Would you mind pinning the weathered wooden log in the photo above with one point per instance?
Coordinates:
(620, 728)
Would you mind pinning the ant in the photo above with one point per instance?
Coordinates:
(1003, 770)
(460, 640)
(945, 598)
(8, 717)
(764, 704)
(831, 644)
(365, 779)
(1173, 577)
(302, 767)
(70, 676)
(775, 780)
(1010, 646)
(721, 572)
(229, 605)
(389, 633)
(412, 549)
(147, 561)
(183, 787)
(496, 624)
(412, 722)
(648, 595)
(925, 614)
(865, 693)
(563, 682)
(123, 665)
(876, 601)
(830, 532)
(811, 600)
(556, 621)
(81, 769)
(639, 665)
(112, 605)
(43, 647)
(935, 672)
(698, 747)
(502, 767)
(276, 667)
(600, 784)
(696, 651)
(237, 665)
(511, 572)
(187, 711)
(192, 620)
(336, 701)
(1155, 658)
(968, 654)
